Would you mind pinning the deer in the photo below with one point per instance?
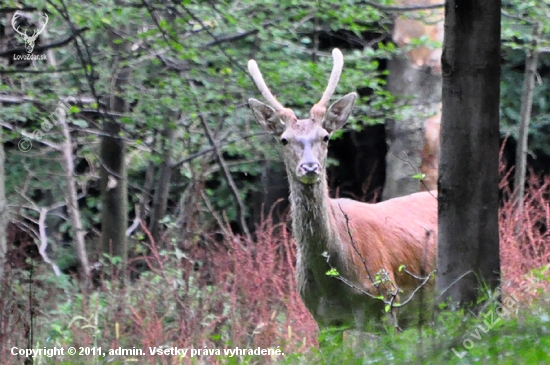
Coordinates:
(430, 153)
(377, 253)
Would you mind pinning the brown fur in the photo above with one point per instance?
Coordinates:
(400, 231)
(425, 23)
(355, 238)
(430, 154)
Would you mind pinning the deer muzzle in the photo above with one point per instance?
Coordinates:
(309, 172)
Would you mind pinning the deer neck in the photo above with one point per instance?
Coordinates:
(312, 218)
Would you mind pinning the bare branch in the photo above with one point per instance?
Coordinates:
(135, 224)
(228, 177)
(454, 282)
(44, 241)
(16, 99)
(231, 38)
(394, 294)
(355, 247)
(11, 10)
(72, 198)
(45, 71)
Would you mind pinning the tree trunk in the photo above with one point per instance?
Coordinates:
(114, 216)
(114, 186)
(468, 168)
(3, 210)
(67, 162)
(4, 217)
(421, 88)
(72, 199)
(526, 105)
(163, 184)
(414, 80)
(273, 198)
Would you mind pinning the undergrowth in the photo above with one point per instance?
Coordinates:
(228, 293)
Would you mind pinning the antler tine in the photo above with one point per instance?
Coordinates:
(13, 22)
(338, 60)
(285, 114)
(45, 21)
(318, 111)
(260, 83)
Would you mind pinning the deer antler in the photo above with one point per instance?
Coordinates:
(13, 23)
(45, 22)
(318, 110)
(285, 114)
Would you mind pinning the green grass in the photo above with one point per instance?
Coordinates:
(510, 339)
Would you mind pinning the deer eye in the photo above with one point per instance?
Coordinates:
(284, 141)
(326, 138)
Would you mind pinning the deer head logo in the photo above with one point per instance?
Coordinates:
(29, 39)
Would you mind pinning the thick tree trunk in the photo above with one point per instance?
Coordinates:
(421, 89)
(114, 186)
(468, 169)
(114, 216)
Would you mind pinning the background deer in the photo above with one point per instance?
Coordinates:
(357, 239)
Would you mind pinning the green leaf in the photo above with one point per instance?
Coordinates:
(333, 272)
(74, 109)
(80, 123)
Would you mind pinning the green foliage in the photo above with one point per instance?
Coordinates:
(519, 18)
(511, 341)
(188, 69)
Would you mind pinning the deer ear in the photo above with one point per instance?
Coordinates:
(338, 113)
(266, 116)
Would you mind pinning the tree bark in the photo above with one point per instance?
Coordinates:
(71, 196)
(4, 217)
(523, 133)
(421, 88)
(3, 209)
(72, 199)
(114, 216)
(163, 184)
(114, 185)
(468, 241)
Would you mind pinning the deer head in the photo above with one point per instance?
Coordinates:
(28, 39)
(304, 141)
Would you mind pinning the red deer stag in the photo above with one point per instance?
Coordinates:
(362, 243)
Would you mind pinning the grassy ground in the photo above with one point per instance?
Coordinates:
(157, 312)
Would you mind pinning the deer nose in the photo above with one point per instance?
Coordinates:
(310, 167)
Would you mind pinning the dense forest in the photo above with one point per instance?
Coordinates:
(143, 207)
